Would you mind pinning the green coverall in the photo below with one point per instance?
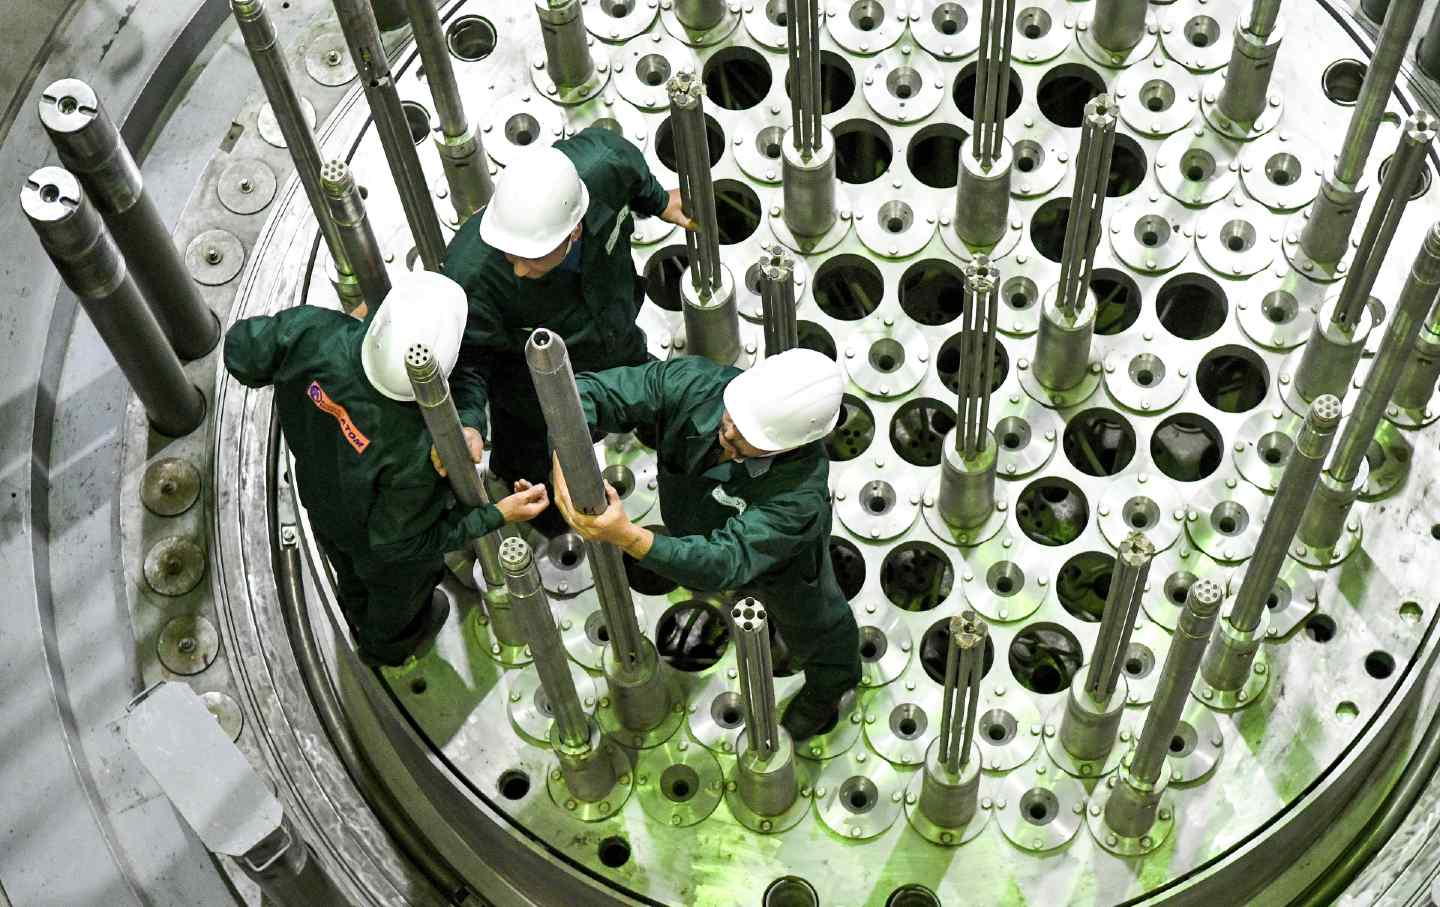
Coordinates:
(592, 308)
(766, 535)
(382, 515)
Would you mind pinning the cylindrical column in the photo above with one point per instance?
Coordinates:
(362, 36)
(982, 200)
(567, 45)
(967, 476)
(1245, 93)
(950, 787)
(92, 149)
(1331, 354)
(1133, 804)
(269, 60)
(700, 15)
(90, 263)
(347, 210)
(1097, 699)
(1062, 345)
(982, 197)
(1119, 25)
(1326, 512)
(1428, 54)
(467, 172)
(712, 320)
(777, 301)
(1420, 373)
(808, 149)
(765, 769)
(532, 610)
(808, 187)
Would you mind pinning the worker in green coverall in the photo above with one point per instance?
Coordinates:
(745, 497)
(551, 250)
(380, 514)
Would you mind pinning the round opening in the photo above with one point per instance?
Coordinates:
(68, 104)
(1139, 661)
(853, 432)
(770, 142)
(614, 851)
(1012, 433)
(964, 91)
(595, 630)
(916, 576)
(935, 651)
(1191, 306)
(1140, 513)
(1177, 587)
(918, 431)
(1238, 236)
(49, 192)
(886, 355)
(521, 129)
(1233, 379)
(692, 636)
(1280, 306)
(947, 365)
(1283, 169)
(513, 784)
(1157, 95)
(932, 291)
(1422, 177)
(848, 565)
(726, 710)
(737, 78)
(1029, 155)
(813, 337)
(949, 18)
(1033, 22)
(1147, 370)
(1052, 511)
(1152, 231)
(1039, 806)
(679, 783)
(848, 287)
(1347, 711)
(997, 727)
(862, 151)
(1065, 90)
(867, 15)
(1187, 447)
(1083, 584)
(1128, 166)
(912, 896)
(1005, 578)
(621, 478)
(895, 217)
(1411, 612)
(644, 580)
(1047, 227)
(908, 721)
(877, 497)
(837, 82)
(1342, 80)
(873, 644)
(617, 9)
(1320, 627)
(1099, 442)
(790, 891)
(418, 686)
(934, 155)
(665, 142)
(777, 11)
(1379, 664)
(1202, 31)
(1044, 657)
(565, 551)
(1019, 293)
(471, 38)
(858, 794)
(1117, 298)
(904, 82)
(1274, 448)
(1183, 741)
(737, 211)
(654, 70)
(1197, 165)
(1279, 597)
(1229, 518)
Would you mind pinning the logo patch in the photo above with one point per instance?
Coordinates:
(719, 495)
(322, 402)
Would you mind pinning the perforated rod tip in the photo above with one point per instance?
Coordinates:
(1205, 597)
(335, 178)
(1420, 127)
(1325, 412)
(968, 629)
(748, 614)
(1100, 111)
(515, 555)
(1136, 549)
(68, 105)
(980, 274)
(51, 195)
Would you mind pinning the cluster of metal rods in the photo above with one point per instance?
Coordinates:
(964, 668)
(802, 25)
(1084, 227)
(977, 356)
(992, 80)
(697, 191)
(1122, 605)
(757, 685)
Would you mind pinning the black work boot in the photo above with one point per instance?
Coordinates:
(809, 714)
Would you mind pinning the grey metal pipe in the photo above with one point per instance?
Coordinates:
(697, 189)
(1375, 90)
(964, 668)
(1246, 89)
(992, 80)
(1085, 225)
(802, 32)
(776, 283)
(362, 250)
(700, 15)
(362, 35)
(757, 684)
(1122, 605)
(90, 263)
(1119, 25)
(537, 621)
(274, 73)
(977, 356)
(567, 45)
(1263, 16)
(90, 146)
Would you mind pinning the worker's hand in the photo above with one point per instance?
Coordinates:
(613, 525)
(472, 439)
(676, 215)
(528, 502)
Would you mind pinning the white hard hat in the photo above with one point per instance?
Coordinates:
(422, 307)
(538, 200)
(787, 400)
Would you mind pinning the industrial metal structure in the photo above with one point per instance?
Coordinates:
(1133, 482)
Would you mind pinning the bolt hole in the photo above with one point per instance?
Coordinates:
(614, 851)
(1202, 31)
(514, 784)
(1379, 665)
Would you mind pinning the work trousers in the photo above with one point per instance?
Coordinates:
(385, 603)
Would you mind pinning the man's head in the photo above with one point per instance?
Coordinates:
(785, 402)
(422, 309)
(535, 213)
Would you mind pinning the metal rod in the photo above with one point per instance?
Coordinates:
(777, 300)
(1122, 605)
(977, 349)
(697, 191)
(964, 667)
(347, 210)
(992, 79)
(1118, 25)
(568, 62)
(1375, 90)
(1084, 225)
(532, 609)
(1263, 16)
(757, 685)
(91, 265)
(269, 60)
(357, 21)
(90, 146)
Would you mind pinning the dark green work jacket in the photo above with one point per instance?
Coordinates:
(593, 310)
(362, 460)
(766, 535)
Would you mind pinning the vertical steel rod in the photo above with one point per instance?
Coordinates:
(757, 685)
(992, 79)
(964, 667)
(1122, 606)
(977, 349)
(697, 191)
(362, 250)
(777, 300)
(1084, 225)
(532, 610)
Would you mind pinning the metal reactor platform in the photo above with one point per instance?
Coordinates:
(1134, 483)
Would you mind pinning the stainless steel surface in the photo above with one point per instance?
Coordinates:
(362, 252)
(532, 608)
(777, 300)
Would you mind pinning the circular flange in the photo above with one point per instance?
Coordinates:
(631, 469)
(679, 784)
(1158, 98)
(327, 59)
(529, 707)
(900, 723)
(575, 94)
(1026, 435)
(1073, 396)
(887, 360)
(700, 37)
(947, 836)
(269, 128)
(964, 538)
(1084, 36)
(1237, 239)
(757, 143)
(760, 21)
(809, 245)
(1151, 236)
(1322, 271)
(1283, 317)
(1197, 167)
(948, 29)
(747, 290)
(620, 20)
(564, 564)
(642, 69)
(1290, 367)
(1231, 700)
(902, 86)
(187, 644)
(477, 622)
(1171, 575)
(995, 584)
(1039, 809)
(226, 711)
(1008, 728)
(839, 739)
(1264, 444)
(1041, 31)
(1195, 40)
(1389, 471)
(966, 252)
(174, 565)
(769, 825)
(859, 797)
(893, 228)
(1350, 539)
(609, 718)
(520, 121)
(875, 508)
(1151, 504)
(886, 645)
(1224, 518)
(1021, 295)
(1149, 644)
(1297, 596)
(214, 257)
(1139, 378)
(1269, 117)
(246, 186)
(612, 113)
(1197, 744)
(586, 811)
(582, 627)
(716, 714)
(866, 27)
(1067, 762)
(1122, 846)
(1281, 171)
(170, 486)
(1040, 154)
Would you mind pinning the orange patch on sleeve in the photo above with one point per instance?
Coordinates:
(322, 401)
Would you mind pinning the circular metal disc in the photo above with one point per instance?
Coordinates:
(903, 87)
(1194, 39)
(327, 59)
(1282, 171)
(582, 627)
(1157, 98)
(1144, 378)
(174, 565)
(900, 723)
(1282, 316)
(1146, 503)
(859, 796)
(1008, 728)
(1044, 150)
(614, 114)
(226, 711)
(593, 812)
(1040, 808)
(996, 584)
(187, 645)
(865, 37)
(874, 508)
(892, 228)
(1152, 235)
(887, 360)
(170, 486)
(950, 30)
(1197, 167)
(246, 186)
(1171, 575)
(564, 564)
(574, 94)
(1225, 518)
(1149, 645)
(1265, 442)
(1123, 846)
(520, 121)
(886, 645)
(679, 784)
(631, 469)
(529, 707)
(716, 714)
(215, 257)
(1238, 239)
(1042, 30)
(1026, 434)
(269, 127)
(1201, 743)
(643, 69)
(616, 22)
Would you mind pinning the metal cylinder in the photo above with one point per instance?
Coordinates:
(1326, 512)
(1331, 219)
(802, 46)
(700, 15)
(977, 357)
(982, 196)
(1331, 354)
(808, 186)
(1062, 345)
(1246, 91)
(362, 35)
(269, 59)
(712, 320)
(776, 283)
(765, 770)
(949, 799)
(90, 263)
(467, 172)
(967, 485)
(951, 783)
(767, 785)
(1428, 53)
(532, 610)
(567, 45)
(91, 147)
(1084, 224)
(1380, 72)
(697, 189)
(1118, 25)
(1419, 374)
(362, 250)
